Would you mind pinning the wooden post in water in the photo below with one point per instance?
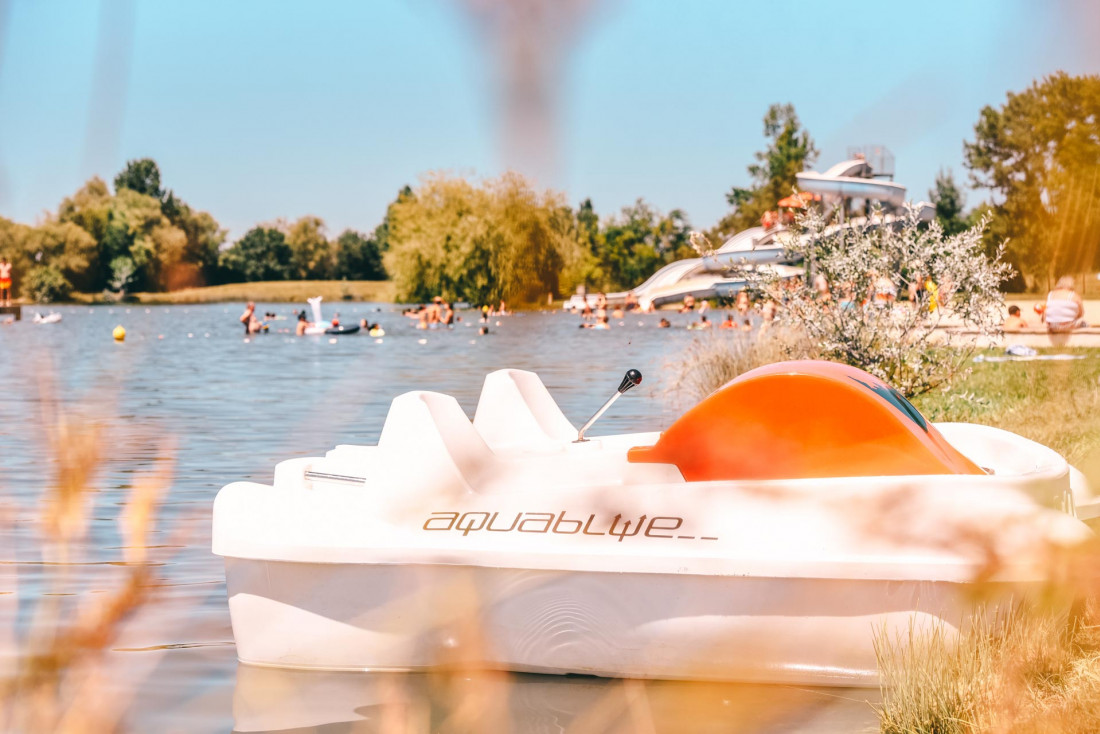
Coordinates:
(16, 311)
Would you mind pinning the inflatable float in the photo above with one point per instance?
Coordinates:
(767, 535)
(320, 326)
(50, 318)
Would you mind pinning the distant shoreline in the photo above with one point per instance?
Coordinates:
(270, 291)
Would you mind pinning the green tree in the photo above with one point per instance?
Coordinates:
(790, 151)
(381, 234)
(142, 240)
(949, 201)
(140, 232)
(357, 257)
(141, 175)
(46, 284)
(203, 240)
(310, 254)
(1040, 153)
(63, 246)
(632, 246)
(262, 254)
(478, 243)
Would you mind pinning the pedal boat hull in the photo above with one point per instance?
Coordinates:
(552, 557)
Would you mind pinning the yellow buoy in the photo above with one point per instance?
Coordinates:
(119, 333)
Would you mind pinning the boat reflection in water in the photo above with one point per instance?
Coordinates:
(298, 701)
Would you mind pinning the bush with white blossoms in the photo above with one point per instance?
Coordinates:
(876, 289)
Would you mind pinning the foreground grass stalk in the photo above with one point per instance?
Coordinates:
(59, 681)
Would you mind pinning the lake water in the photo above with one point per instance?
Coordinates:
(187, 383)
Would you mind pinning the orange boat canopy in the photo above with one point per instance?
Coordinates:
(804, 419)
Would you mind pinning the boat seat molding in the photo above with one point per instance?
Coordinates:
(433, 428)
(515, 408)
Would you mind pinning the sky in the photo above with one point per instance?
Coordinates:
(262, 110)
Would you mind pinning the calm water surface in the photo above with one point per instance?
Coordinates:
(187, 383)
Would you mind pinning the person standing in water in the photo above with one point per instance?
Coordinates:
(303, 324)
(5, 282)
(248, 317)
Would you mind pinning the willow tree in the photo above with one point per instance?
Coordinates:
(501, 239)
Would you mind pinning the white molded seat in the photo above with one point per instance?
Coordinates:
(429, 433)
(515, 410)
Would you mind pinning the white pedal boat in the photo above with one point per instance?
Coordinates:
(767, 536)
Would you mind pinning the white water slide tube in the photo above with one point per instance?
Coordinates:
(703, 277)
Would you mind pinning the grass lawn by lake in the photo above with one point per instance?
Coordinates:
(1034, 669)
(1056, 403)
(270, 291)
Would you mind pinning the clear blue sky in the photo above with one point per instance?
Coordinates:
(259, 110)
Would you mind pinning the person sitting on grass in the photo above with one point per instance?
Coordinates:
(1064, 310)
(1015, 320)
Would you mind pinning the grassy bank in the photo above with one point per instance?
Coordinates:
(1053, 402)
(1036, 669)
(275, 291)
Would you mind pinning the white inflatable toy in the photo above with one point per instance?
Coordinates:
(767, 535)
(320, 326)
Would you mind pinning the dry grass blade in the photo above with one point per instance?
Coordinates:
(716, 358)
(59, 683)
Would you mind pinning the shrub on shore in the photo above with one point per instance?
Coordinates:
(878, 290)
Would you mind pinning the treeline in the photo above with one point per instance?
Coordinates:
(1039, 154)
(504, 239)
(143, 237)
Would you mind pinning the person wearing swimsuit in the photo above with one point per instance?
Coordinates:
(1065, 309)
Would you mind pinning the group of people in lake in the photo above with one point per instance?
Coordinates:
(255, 325)
(743, 317)
(440, 314)
(1063, 310)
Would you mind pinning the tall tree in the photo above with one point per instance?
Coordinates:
(141, 175)
(262, 254)
(1040, 152)
(357, 257)
(790, 151)
(949, 201)
(310, 255)
(501, 239)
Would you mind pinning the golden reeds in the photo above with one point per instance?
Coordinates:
(57, 681)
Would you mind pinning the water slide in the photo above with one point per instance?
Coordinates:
(708, 277)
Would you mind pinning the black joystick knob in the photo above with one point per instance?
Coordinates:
(632, 378)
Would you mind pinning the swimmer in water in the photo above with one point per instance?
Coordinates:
(303, 324)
